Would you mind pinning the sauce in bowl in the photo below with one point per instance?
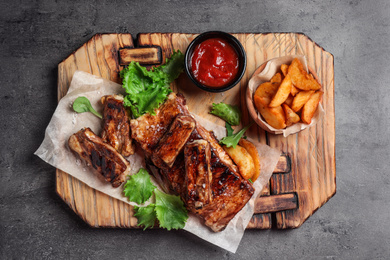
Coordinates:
(214, 63)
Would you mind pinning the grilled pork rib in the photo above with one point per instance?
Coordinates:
(198, 177)
(116, 125)
(100, 155)
(229, 191)
(147, 129)
(171, 144)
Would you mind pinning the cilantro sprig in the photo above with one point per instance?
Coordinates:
(233, 139)
(168, 209)
(139, 188)
(146, 216)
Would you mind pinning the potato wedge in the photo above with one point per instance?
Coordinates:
(242, 159)
(267, 90)
(277, 78)
(300, 78)
(300, 99)
(310, 107)
(289, 100)
(274, 116)
(291, 116)
(283, 92)
(284, 69)
(294, 90)
(252, 150)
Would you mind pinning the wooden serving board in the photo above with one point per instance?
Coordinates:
(305, 177)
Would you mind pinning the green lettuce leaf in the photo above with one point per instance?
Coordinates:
(139, 188)
(233, 140)
(170, 211)
(146, 216)
(229, 113)
(229, 129)
(172, 67)
(147, 89)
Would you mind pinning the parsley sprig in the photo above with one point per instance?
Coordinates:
(168, 209)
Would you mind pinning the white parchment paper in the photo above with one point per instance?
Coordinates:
(271, 68)
(65, 122)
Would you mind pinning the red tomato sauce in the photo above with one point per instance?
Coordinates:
(214, 63)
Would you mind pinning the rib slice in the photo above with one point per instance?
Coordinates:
(198, 175)
(100, 155)
(171, 144)
(148, 129)
(116, 125)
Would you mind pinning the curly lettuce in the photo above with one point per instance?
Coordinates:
(148, 89)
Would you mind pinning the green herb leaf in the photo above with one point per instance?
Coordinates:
(233, 140)
(82, 104)
(173, 67)
(146, 216)
(170, 211)
(147, 90)
(229, 113)
(139, 188)
(229, 129)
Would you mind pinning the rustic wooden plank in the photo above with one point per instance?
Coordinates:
(284, 164)
(145, 56)
(274, 203)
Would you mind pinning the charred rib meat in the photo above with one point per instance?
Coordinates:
(198, 176)
(171, 144)
(102, 157)
(148, 129)
(116, 125)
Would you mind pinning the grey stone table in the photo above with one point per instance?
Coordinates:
(36, 35)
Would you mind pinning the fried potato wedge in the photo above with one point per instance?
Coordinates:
(310, 107)
(300, 78)
(289, 100)
(291, 116)
(300, 99)
(284, 69)
(277, 78)
(283, 92)
(252, 150)
(294, 90)
(267, 90)
(274, 116)
(243, 160)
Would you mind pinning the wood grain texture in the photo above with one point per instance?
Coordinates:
(275, 203)
(305, 175)
(145, 56)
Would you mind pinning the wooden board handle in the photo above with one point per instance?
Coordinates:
(274, 203)
(146, 55)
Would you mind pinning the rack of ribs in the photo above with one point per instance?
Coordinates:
(100, 155)
(223, 192)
